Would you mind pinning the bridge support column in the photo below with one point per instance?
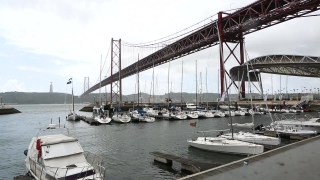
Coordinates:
(230, 52)
(116, 84)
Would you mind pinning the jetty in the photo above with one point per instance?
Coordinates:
(186, 164)
(4, 109)
(294, 161)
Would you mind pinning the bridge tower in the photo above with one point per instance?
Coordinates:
(116, 83)
(86, 84)
(224, 42)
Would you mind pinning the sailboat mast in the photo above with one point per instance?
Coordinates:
(250, 95)
(138, 82)
(100, 83)
(207, 86)
(200, 87)
(225, 79)
(72, 96)
(168, 84)
(196, 85)
(153, 83)
(181, 83)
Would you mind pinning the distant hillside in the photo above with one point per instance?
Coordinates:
(59, 98)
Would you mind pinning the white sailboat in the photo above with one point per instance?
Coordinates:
(72, 116)
(249, 136)
(99, 113)
(225, 145)
(60, 156)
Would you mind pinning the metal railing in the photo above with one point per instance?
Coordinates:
(94, 169)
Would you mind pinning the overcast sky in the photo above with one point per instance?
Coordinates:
(46, 41)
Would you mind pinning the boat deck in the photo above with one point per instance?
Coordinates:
(294, 161)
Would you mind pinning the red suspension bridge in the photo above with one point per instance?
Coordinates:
(226, 29)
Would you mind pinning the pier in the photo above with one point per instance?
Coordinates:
(90, 121)
(186, 164)
(294, 161)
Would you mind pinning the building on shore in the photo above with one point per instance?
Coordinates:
(51, 88)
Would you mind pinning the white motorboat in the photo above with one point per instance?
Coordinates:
(224, 145)
(244, 125)
(253, 138)
(179, 116)
(218, 114)
(239, 113)
(60, 156)
(101, 116)
(191, 106)
(208, 114)
(192, 115)
(145, 118)
(311, 124)
(121, 118)
(227, 113)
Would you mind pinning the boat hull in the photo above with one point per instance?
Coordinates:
(226, 146)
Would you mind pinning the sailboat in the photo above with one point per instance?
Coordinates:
(101, 114)
(249, 136)
(72, 116)
(119, 116)
(224, 145)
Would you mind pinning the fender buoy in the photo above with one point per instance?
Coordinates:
(38, 147)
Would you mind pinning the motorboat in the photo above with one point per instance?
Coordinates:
(121, 118)
(224, 145)
(192, 115)
(146, 118)
(191, 106)
(310, 123)
(253, 138)
(179, 116)
(59, 156)
(208, 114)
(243, 125)
(218, 113)
(239, 113)
(227, 113)
(101, 116)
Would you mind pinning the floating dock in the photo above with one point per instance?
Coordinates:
(295, 161)
(90, 121)
(186, 164)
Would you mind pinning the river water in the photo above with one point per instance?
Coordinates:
(124, 148)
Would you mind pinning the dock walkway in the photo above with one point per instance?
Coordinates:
(294, 161)
(186, 164)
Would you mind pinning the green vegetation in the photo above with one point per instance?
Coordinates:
(59, 98)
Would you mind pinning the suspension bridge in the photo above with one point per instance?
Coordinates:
(226, 29)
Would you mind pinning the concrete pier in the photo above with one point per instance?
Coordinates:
(295, 161)
(186, 164)
(8, 110)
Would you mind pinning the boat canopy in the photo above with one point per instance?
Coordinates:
(55, 139)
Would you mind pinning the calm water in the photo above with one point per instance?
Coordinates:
(125, 148)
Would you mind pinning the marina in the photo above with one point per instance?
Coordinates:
(115, 147)
(227, 110)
